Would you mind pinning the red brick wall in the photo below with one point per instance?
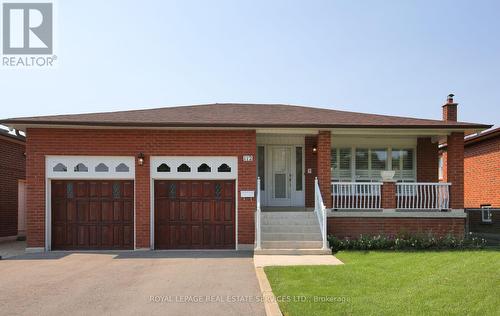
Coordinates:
(388, 195)
(324, 166)
(41, 142)
(353, 227)
(12, 168)
(450, 112)
(427, 160)
(482, 173)
(455, 169)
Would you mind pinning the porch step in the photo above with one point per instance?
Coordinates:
(296, 229)
(287, 215)
(288, 236)
(291, 233)
(281, 222)
(292, 252)
(289, 244)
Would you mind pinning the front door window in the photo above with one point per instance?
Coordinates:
(281, 172)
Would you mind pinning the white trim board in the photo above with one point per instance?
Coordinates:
(214, 162)
(91, 162)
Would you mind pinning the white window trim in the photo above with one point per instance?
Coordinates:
(486, 210)
(389, 150)
(90, 162)
(193, 162)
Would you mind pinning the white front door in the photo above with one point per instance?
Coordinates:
(284, 175)
(281, 175)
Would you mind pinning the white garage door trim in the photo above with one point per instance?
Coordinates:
(215, 168)
(194, 167)
(90, 167)
(84, 168)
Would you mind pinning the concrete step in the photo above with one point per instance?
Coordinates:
(289, 221)
(293, 252)
(288, 215)
(291, 237)
(290, 228)
(288, 244)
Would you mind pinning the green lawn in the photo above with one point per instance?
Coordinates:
(393, 283)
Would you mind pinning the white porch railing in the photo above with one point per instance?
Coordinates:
(257, 218)
(320, 210)
(356, 195)
(423, 196)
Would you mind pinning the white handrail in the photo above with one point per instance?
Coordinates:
(257, 218)
(423, 195)
(356, 195)
(320, 210)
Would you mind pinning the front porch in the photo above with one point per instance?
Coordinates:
(354, 174)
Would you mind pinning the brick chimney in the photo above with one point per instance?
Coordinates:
(450, 109)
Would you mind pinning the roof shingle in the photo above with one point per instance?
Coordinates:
(239, 115)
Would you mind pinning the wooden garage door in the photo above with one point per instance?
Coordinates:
(92, 214)
(194, 214)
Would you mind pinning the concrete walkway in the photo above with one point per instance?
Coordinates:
(12, 248)
(131, 283)
(294, 260)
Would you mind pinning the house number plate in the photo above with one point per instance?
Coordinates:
(247, 157)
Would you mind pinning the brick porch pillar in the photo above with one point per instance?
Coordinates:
(455, 169)
(427, 160)
(388, 194)
(323, 166)
(310, 164)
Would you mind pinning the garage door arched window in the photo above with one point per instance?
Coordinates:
(204, 168)
(224, 168)
(193, 167)
(60, 168)
(122, 168)
(183, 168)
(101, 168)
(81, 168)
(163, 168)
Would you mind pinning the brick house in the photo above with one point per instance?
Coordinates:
(238, 176)
(12, 175)
(481, 180)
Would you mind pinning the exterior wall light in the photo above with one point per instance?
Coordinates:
(315, 149)
(140, 159)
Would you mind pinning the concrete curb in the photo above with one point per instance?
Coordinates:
(270, 303)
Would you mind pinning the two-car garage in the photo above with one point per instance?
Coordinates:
(92, 203)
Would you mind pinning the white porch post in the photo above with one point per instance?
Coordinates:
(257, 218)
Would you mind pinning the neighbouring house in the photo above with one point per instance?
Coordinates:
(12, 175)
(481, 180)
(238, 176)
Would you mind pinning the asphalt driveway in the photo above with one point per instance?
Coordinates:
(125, 283)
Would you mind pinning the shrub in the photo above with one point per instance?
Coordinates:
(405, 242)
